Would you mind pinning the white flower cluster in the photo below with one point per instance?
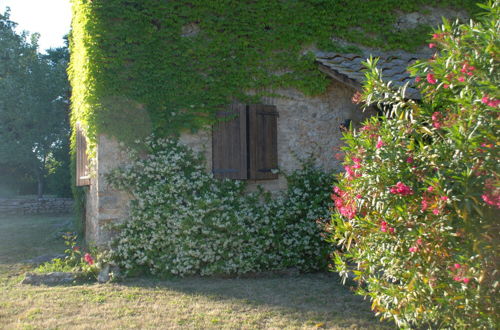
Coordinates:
(184, 221)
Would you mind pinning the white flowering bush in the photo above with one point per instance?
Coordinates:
(184, 221)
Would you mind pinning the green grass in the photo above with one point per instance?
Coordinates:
(302, 302)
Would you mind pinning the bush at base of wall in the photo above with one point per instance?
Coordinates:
(183, 221)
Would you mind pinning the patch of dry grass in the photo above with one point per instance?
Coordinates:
(306, 301)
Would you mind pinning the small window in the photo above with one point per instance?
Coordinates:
(82, 161)
(246, 146)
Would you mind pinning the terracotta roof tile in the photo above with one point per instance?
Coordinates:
(348, 68)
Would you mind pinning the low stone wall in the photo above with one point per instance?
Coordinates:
(9, 206)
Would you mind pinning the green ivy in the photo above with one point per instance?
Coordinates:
(133, 72)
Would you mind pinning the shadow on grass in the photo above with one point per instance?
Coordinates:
(321, 295)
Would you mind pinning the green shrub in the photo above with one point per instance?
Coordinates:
(86, 263)
(184, 221)
(417, 208)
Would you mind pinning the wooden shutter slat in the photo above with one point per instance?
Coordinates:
(82, 162)
(229, 144)
(263, 140)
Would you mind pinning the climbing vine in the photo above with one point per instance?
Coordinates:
(165, 66)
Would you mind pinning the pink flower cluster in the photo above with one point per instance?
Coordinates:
(88, 258)
(437, 120)
(491, 194)
(401, 189)
(459, 270)
(384, 228)
(343, 203)
(380, 143)
(351, 169)
(415, 247)
(489, 101)
(431, 79)
(434, 202)
(438, 36)
(467, 69)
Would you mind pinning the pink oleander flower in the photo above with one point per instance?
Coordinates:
(417, 79)
(430, 189)
(461, 78)
(419, 241)
(432, 45)
(88, 258)
(436, 211)
(383, 226)
(425, 204)
(446, 86)
(391, 230)
(380, 143)
(431, 79)
(457, 278)
(358, 196)
(350, 173)
(491, 194)
(357, 98)
(489, 101)
(457, 266)
(436, 120)
(346, 207)
(413, 249)
(465, 280)
(401, 189)
(437, 35)
(444, 198)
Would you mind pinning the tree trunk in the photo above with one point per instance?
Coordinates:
(39, 178)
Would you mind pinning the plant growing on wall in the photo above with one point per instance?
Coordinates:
(416, 210)
(166, 66)
(184, 221)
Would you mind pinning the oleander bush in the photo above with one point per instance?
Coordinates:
(417, 207)
(184, 221)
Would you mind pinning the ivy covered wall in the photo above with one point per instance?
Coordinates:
(164, 66)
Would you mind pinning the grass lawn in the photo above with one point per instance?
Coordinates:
(306, 301)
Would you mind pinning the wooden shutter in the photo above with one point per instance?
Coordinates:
(263, 141)
(82, 161)
(229, 144)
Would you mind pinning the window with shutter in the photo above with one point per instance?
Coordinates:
(82, 161)
(229, 144)
(246, 146)
(263, 141)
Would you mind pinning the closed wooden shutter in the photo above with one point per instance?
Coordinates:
(82, 161)
(263, 141)
(229, 144)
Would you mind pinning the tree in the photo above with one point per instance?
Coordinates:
(417, 208)
(34, 95)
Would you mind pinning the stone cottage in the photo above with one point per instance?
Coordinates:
(259, 140)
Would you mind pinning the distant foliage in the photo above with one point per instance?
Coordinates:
(184, 221)
(417, 208)
(34, 111)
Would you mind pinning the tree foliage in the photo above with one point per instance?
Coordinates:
(34, 94)
(417, 208)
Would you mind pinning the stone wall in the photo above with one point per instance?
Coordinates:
(308, 127)
(104, 204)
(15, 206)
